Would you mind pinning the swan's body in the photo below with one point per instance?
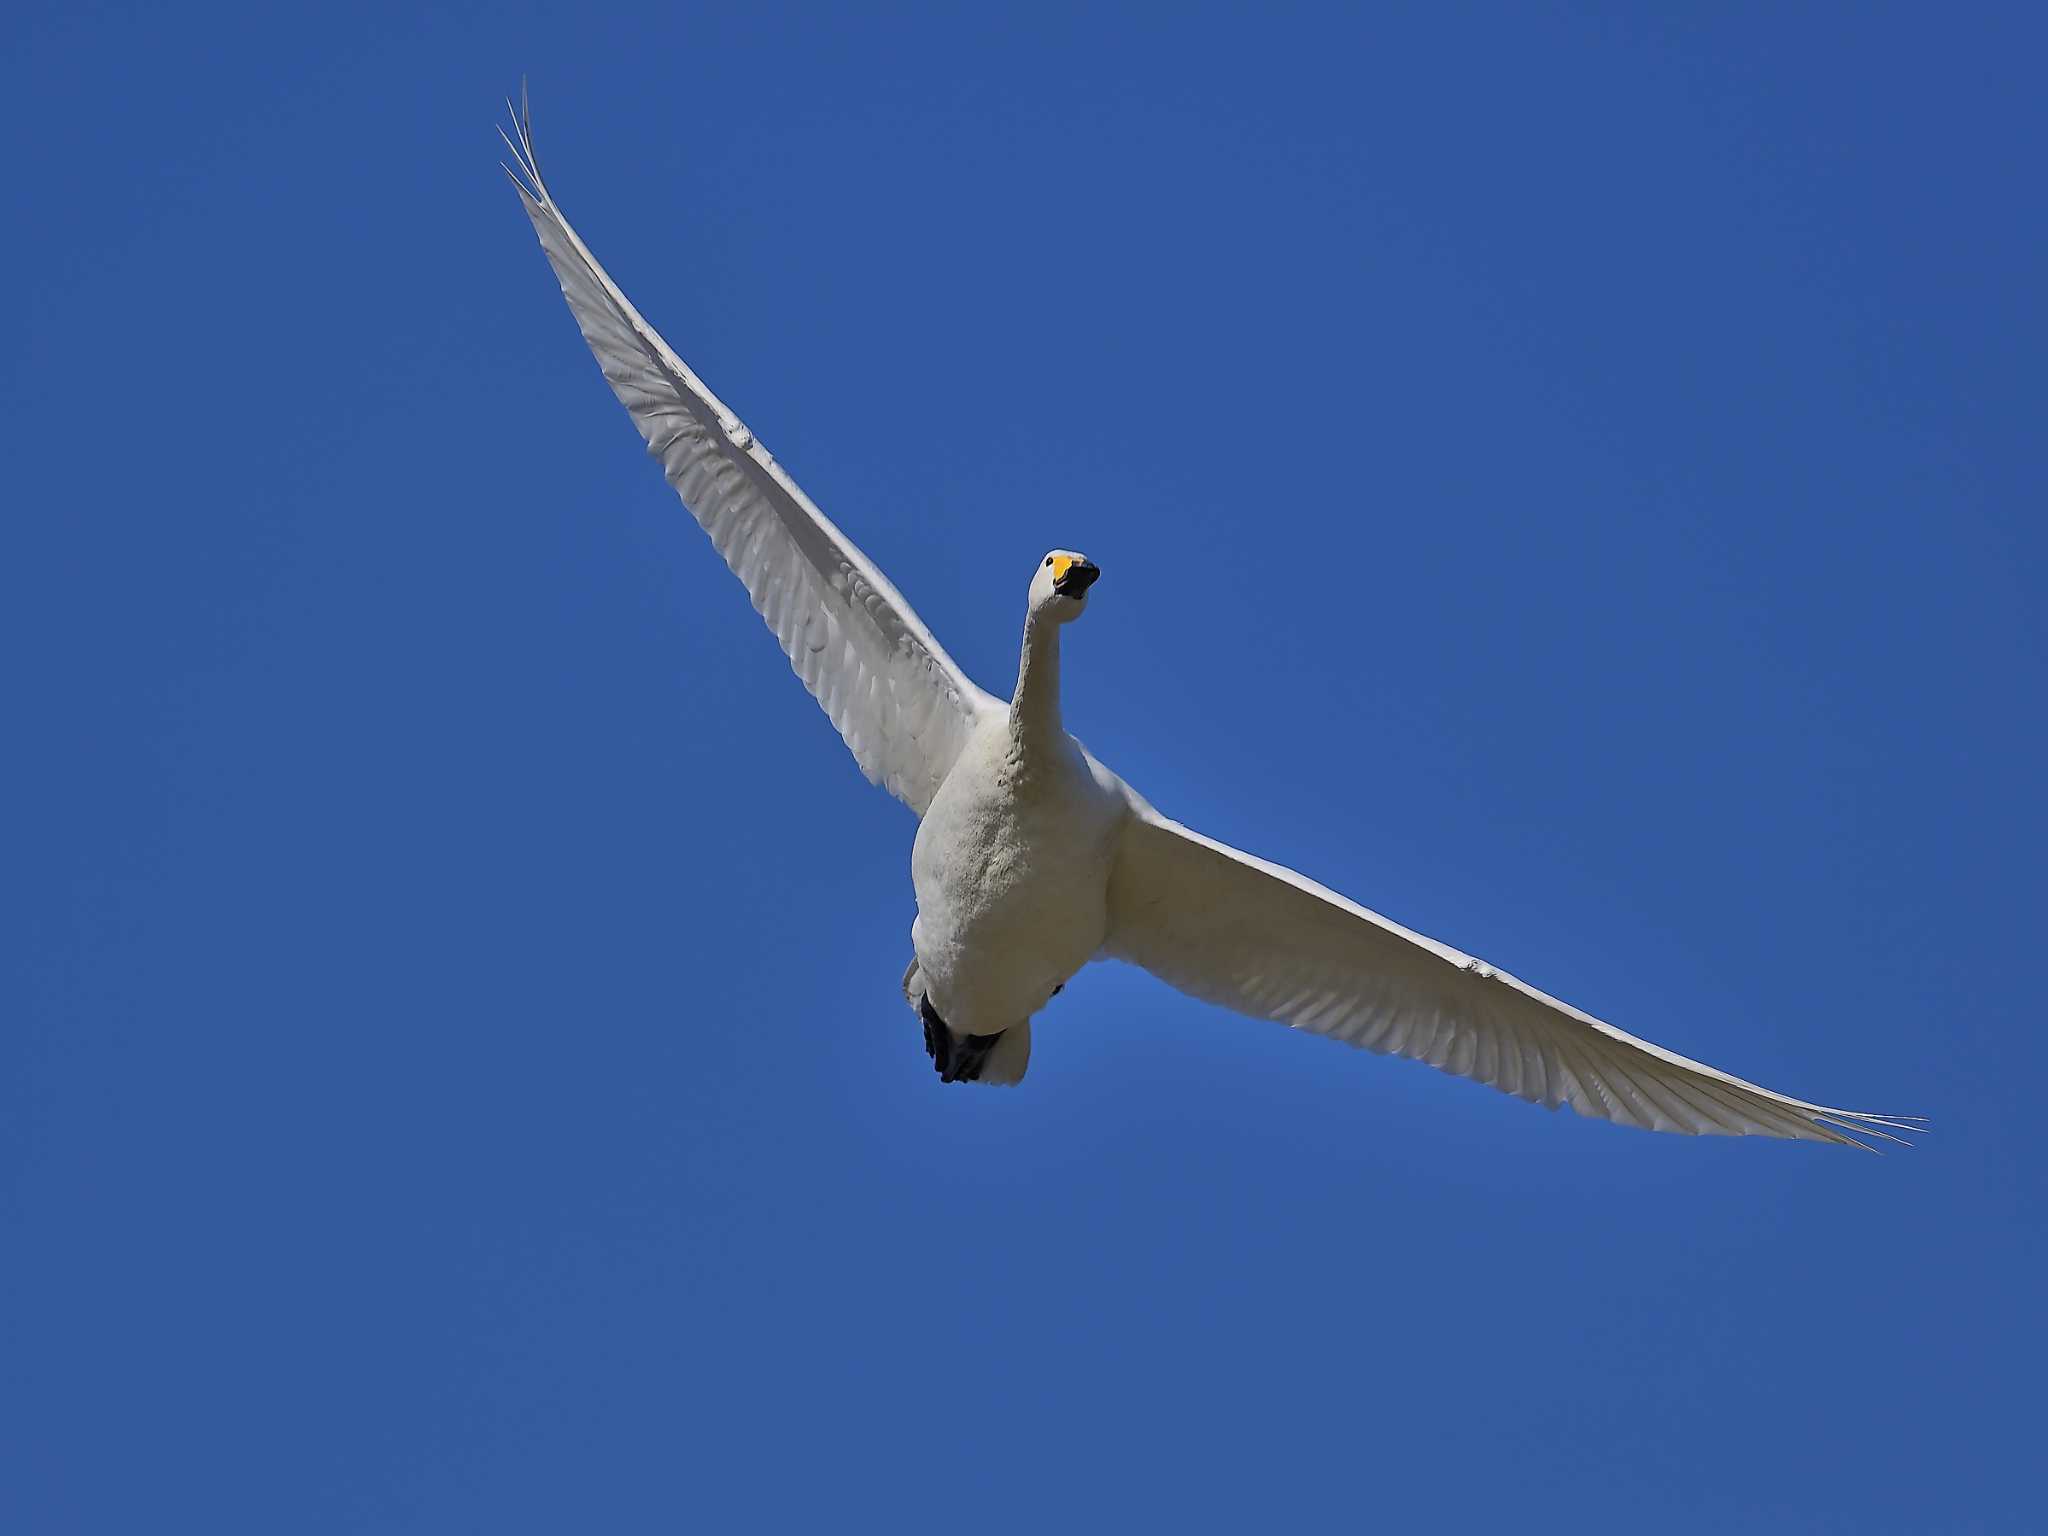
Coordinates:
(1013, 858)
(1011, 869)
(1032, 858)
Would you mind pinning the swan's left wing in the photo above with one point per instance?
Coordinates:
(902, 706)
(1262, 940)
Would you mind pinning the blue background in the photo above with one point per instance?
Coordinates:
(1571, 478)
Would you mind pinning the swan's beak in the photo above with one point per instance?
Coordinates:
(1076, 578)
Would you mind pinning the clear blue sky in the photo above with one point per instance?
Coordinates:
(1571, 480)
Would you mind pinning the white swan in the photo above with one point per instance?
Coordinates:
(1032, 858)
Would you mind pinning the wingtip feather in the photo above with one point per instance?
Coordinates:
(520, 142)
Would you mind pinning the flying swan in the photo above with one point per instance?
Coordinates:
(1032, 858)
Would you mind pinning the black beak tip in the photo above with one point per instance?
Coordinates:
(1077, 578)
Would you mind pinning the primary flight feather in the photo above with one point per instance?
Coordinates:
(1032, 858)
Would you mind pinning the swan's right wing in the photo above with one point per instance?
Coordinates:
(896, 697)
(1262, 940)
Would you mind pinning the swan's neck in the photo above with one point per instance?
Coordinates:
(1035, 711)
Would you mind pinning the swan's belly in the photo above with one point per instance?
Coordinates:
(1012, 892)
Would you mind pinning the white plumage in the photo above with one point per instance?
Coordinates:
(1032, 858)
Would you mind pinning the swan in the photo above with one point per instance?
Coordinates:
(1032, 858)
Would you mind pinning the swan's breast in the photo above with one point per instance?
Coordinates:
(1011, 868)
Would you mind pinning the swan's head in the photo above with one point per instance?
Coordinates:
(1059, 590)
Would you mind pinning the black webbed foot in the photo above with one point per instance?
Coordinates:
(956, 1058)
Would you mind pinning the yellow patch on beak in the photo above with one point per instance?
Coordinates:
(1060, 564)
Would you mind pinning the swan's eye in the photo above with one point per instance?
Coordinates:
(1048, 559)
